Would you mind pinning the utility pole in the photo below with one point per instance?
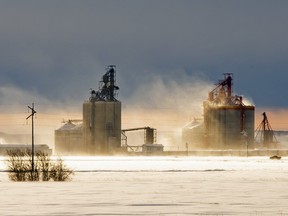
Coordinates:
(32, 115)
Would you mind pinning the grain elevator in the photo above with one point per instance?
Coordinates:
(100, 130)
(228, 122)
(102, 117)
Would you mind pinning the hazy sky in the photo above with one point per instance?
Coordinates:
(53, 52)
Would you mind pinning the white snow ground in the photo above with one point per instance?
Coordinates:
(154, 186)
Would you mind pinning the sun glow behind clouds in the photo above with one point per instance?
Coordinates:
(278, 118)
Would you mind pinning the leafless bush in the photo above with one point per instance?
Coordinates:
(20, 167)
(60, 172)
(44, 163)
(17, 166)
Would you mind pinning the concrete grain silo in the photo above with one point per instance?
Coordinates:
(193, 134)
(68, 139)
(228, 122)
(102, 118)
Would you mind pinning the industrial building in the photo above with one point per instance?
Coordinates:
(228, 123)
(101, 126)
(100, 131)
(150, 140)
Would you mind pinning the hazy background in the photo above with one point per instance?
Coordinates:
(168, 54)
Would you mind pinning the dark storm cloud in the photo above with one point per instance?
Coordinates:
(59, 49)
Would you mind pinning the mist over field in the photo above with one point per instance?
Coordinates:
(168, 56)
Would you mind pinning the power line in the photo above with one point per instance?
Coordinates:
(32, 115)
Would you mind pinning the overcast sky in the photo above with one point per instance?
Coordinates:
(55, 51)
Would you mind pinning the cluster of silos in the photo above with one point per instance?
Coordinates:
(100, 132)
(228, 122)
(229, 127)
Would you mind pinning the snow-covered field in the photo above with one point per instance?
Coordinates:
(155, 186)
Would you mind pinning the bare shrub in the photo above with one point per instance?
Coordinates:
(44, 163)
(17, 166)
(60, 172)
(20, 167)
